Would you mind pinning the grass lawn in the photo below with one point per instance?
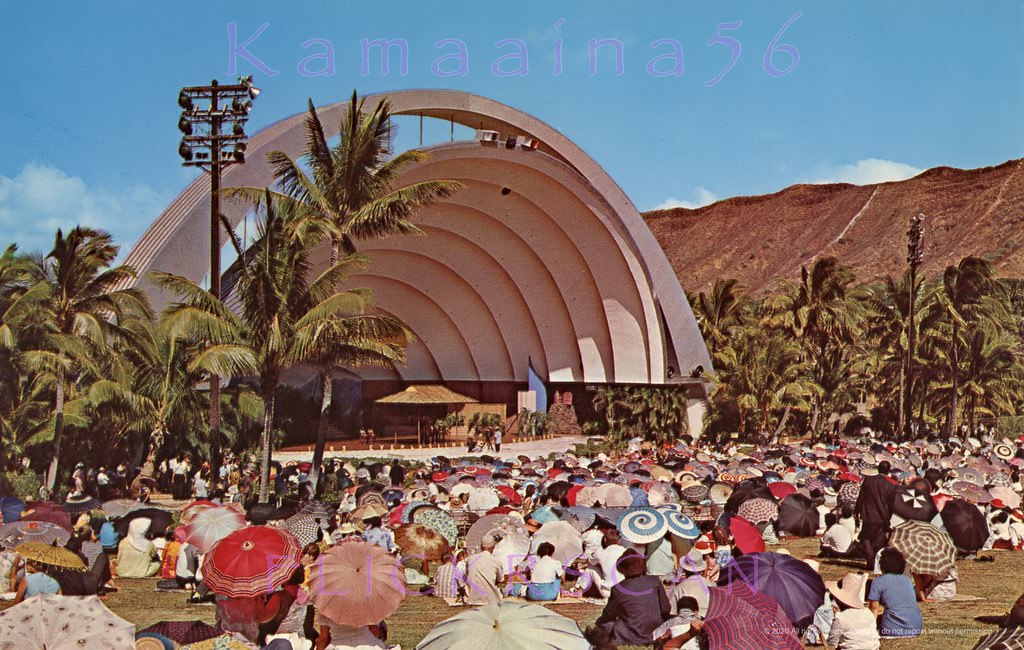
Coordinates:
(949, 626)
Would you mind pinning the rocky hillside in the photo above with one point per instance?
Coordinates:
(759, 239)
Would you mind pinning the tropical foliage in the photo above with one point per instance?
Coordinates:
(816, 349)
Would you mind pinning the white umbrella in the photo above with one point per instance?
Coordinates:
(505, 626)
(567, 540)
(51, 621)
(482, 499)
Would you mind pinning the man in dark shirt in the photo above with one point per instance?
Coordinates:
(874, 510)
(636, 606)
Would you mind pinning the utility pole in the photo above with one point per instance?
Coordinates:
(915, 253)
(207, 146)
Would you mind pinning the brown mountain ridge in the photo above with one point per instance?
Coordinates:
(760, 239)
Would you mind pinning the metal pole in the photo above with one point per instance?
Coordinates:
(215, 126)
(915, 253)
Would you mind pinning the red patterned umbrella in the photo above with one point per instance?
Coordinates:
(184, 632)
(49, 512)
(251, 561)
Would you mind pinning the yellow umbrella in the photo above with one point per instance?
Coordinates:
(369, 511)
(50, 554)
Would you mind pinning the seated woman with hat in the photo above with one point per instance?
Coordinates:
(853, 626)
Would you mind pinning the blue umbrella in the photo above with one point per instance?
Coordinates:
(642, 525)
(796, 586)
(11, 508)
(639, 497)
(680, 525)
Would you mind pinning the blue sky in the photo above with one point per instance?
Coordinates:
(881, 90)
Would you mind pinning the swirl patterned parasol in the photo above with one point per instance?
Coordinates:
(642, 525)
(680, 525)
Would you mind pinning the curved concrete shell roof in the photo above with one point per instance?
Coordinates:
(540, 256)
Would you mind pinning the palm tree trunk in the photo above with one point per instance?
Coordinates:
(268, 426)
(782, 422)
(327, 384)
(58, 433)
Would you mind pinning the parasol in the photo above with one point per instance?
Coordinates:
(48, 512)
(121, 507)
(566, 540)
(642, 525)
(318, 509)
(680, 525)
(159, 520)
(748, 538)
(797, 587)
(798, 516)
(781, 489)
(928, 550)
(10, 508)
(732, 623)
(439, 521)
(251, 561)
(183, 632)
(505, 626)
(369, 511)
(43, 532)
(50, 554)
(581, 517)
(499, 526)
(52, 621)
(419, 541)
(304, 527)
(758, 510)
(914, 504)
(965, 524)
(208, 525)
(357, 584)
(848, 494)
(78, 505)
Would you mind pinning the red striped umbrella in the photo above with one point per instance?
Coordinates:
(735, 624)
(251, 561)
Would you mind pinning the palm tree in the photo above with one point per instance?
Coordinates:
(823, 312)
(961, 301)
(156, 390)
(719, 311)
(284, 317)
(992, 377)
(352, 186)
(82, 310)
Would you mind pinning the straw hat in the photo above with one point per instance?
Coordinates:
(848, 590)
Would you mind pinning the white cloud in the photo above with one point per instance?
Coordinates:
(702, 196)
(868, 172)
(40, 199)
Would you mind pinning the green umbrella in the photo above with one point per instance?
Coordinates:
(505, 626)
